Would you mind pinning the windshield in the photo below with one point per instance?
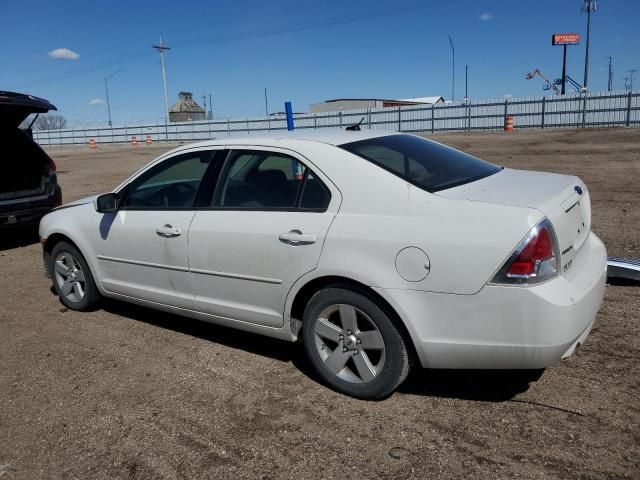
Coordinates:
(426, 164)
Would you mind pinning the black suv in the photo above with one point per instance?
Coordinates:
(28, 184)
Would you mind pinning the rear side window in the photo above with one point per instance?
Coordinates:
(426, 164)
(262, 180)
(315, 195)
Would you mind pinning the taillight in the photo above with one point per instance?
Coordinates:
(534, 260)
(52, 165)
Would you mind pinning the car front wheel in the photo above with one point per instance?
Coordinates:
(72, 279)
(353, 345)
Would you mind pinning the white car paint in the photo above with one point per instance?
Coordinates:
(231, 268)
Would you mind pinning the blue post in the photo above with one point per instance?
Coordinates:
(289, 111)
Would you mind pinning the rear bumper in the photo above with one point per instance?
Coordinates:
(29, 211)
(507, 327)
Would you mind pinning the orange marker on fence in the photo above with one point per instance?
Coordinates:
(149, 141)
(92, 144)
(134, 141)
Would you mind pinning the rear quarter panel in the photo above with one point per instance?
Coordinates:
(381, 214)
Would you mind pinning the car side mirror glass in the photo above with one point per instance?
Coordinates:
(107, 203)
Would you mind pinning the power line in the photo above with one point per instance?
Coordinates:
(279, 30)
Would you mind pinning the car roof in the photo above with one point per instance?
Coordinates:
(334, 137)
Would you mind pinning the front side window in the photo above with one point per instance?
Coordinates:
(171, 185)
(429, 165)
(260, 180)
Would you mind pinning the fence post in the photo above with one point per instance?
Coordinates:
(209, 128)
(340, 116)
(433, 118)
(248, 132)
(315, 121)
(468, 117)
(584, 109)
(544, 103)
(369, 115)
(628, 123)
(399, 119)
(228, 128)
(506, 108)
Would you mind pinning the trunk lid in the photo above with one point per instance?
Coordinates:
(15, 107)
(563, 199)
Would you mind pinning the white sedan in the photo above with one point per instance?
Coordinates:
(379, 250)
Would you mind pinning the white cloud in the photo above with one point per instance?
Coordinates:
(486, 16)
(97, 101)
(64, 54)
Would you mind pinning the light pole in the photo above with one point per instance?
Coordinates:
(466, 83)
(453, 68)
(588, 7)
(106, 89)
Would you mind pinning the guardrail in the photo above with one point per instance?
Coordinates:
(577, 110)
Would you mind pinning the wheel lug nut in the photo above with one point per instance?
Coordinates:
(344, 349)
(356, 351)
(359, 341)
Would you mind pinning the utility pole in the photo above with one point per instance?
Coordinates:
(210, 107)
(163, 48)
(106, 89)
(204, 102)
(631, 72)
(610, 80)
(588, 7)
(453, 68)
(266, 103)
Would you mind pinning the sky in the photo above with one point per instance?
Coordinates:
(304, 52)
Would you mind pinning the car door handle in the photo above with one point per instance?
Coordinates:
(168, 231)
(296, 237)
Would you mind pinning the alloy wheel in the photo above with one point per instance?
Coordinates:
(69, 277)
(349, 343)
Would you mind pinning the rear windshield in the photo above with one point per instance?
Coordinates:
(426, 164)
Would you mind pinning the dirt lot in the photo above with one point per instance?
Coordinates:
(126, 392)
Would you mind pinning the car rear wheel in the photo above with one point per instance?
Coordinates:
(353, 345)
(72, 279)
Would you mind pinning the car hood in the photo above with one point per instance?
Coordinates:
(15, 107)
(80, 201)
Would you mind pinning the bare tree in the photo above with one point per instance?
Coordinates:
(50, 121)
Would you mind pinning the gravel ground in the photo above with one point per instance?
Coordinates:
(126, 392)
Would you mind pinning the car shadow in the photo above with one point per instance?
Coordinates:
(18, 237)
(479, 385)
(623, 282)
(230, 337)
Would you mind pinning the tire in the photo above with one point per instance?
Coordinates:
(72, 279)
(368, 363)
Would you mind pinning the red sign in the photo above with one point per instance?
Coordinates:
(565, 39)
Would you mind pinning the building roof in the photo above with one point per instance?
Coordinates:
(390, 100)
(423, 99)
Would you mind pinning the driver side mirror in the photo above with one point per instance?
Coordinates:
(106, 203)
